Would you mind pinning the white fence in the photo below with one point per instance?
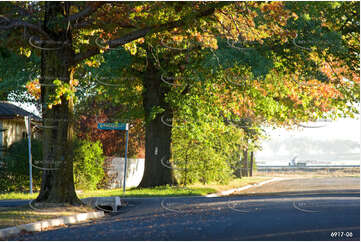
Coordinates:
(135, 170)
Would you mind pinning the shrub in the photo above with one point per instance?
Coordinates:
(202, 150)
(88, 164)
(14, 171)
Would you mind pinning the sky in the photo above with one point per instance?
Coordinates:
(336, 142)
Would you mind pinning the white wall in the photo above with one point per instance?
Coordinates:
(135, 170)
(1, 138)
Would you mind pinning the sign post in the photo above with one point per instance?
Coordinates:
(119, 126)
(125, 157)
(28, 130)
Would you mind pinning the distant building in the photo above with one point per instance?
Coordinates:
(12, 124)
(295, 163)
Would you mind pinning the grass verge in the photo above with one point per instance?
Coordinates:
(191, 190)
(12, 216)
(236, 183)
(23, 215)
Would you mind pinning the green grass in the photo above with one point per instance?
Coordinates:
(149, 192)
(135, 192)
(18, 195)
(192, 190)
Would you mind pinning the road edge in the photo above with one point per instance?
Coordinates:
(228, 192)
(43, 225)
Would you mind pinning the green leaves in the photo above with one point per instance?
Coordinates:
(88, 164)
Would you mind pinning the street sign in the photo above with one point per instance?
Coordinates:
(113, 126)
(119, 126)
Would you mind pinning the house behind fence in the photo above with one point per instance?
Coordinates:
(12, 124)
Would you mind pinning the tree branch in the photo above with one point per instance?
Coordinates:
(112, 44)
(86, 12)
(143, 32)
(12, 24)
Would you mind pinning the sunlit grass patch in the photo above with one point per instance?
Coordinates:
(191, 190)
(149, 192)
(18, 195)
(236, 183)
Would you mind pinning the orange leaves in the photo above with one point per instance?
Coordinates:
(140, 40)
(74, 82)
(242, 23)
(206, 40)
(178, 38)
(92, 63)
(315, 93)
(258, 87)
(33, 88)
(138, 9)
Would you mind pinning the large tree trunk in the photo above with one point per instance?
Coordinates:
(57, 181)
(158, 132)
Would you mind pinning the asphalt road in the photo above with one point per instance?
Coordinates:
(13, 203)
(291, 213)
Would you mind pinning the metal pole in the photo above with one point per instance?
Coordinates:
(125, 157)
(28, 127)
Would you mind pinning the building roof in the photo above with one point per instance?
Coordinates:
(9, 110)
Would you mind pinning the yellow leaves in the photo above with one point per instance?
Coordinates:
(25, 51)
(131, 47)
(62, 89)
(139, 88)
(83, 41)
(138, 9)
(92, 63)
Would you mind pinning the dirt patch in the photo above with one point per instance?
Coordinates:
(13, 216)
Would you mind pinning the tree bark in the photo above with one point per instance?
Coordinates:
(251, 165)
(245, 163)
(158, 131)
(57, 180)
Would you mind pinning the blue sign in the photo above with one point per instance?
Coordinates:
(113, 126)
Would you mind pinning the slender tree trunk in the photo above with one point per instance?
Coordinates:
(238, 167)
(158, 132)
(245, 162)
(251, 165)
(57, 181)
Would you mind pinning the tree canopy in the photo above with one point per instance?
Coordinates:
(207, 66)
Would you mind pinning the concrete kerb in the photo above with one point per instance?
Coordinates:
(228, 192)
(43, 225)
